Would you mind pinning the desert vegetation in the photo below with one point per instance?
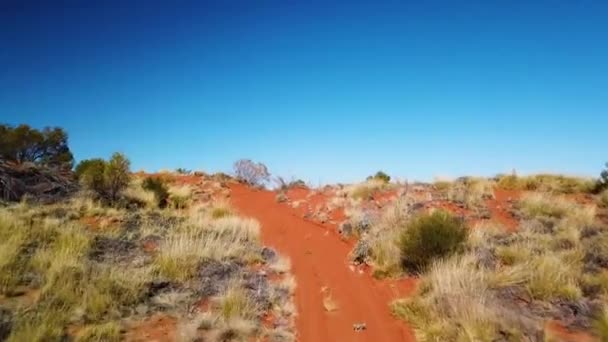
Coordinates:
(96, 263)
(552, 266)
(65, 273)
(104, 254)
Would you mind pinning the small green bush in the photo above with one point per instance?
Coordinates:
(428, 237)
(117, 175)
(107, 179)
(380, 175)
(159, 188)
(90, 174)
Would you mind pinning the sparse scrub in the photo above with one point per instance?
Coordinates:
(180, 196)
(429, 237)
(182, 251)
(136, 193)
(234, 303)
(541, 205)
(220, 210)
(106, 332)
(158, 187)
(81, 282)
(552, 279)
(453, 304)
(254, 174)
(556, 256)
(472, 192)
(557, 184)
(381, 176)
(107, 179)
(365, 190)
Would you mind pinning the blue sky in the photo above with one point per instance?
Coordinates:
(323, 92)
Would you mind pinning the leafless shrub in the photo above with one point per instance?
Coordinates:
(250, 172)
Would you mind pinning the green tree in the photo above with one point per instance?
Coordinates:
(90, 172)
(380, 175)
(84, 165)
(25, 144)
(117, 175)
(107, 179)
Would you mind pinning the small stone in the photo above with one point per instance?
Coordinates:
(359, 327)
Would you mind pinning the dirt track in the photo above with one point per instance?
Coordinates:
(330, 296)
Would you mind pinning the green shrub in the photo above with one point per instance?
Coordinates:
(23, 143)
(159, 188)
(106, 179)
(117, 175)
(90, 174)
(428, 237)
(380, 175)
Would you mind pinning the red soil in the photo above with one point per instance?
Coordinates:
(499, 206)
(559, 333)
(319, 263)
(158, 328)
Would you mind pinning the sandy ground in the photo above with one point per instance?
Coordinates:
(331, 297)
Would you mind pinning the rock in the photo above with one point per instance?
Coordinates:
(214, 276)
(345, 229)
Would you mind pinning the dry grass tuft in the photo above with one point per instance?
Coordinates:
(187, 245)
(365, 190)
(180, 196)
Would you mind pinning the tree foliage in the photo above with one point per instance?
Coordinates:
(107, 179)
(250, 172)
(23, 143)
(380, 175)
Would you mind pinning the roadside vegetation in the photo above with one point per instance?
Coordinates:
(92, 265)
(84, 270)
(554, 266)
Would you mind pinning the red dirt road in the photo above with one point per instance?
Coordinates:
(324, 279)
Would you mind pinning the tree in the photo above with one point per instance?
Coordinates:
(251, 173)
(25, 144)
(380, 175)
(117, 175)
(90, 172)
(84, 165)
(107, 179)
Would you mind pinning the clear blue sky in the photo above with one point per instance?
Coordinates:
(323, 92)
